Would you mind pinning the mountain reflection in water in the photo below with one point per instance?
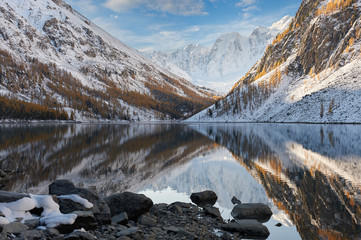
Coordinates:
(309, 174)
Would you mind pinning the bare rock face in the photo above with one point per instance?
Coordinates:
(204, 198)
(11, 197)
(133, 204)
(258, 211)
(100, 209)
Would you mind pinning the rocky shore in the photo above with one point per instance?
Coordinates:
(72, 213)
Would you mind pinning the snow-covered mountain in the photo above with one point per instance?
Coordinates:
(310, 73)
(224, 63)
(52, 55)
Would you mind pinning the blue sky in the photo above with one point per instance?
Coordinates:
(170, 24)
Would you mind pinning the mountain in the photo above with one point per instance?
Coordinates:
(220, 66)
(52, 56)
(310, 73)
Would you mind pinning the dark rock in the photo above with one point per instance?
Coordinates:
(68, 206)
(51, 233)
(1, 228)
(15, 228)
(175, 209)
(258, 211)
(147, 221)
(204, 198)
(72, 237)
(182, 204)
(62, 187)
(32, 235)
(278, 224)
(33, 223)
(235, 200)
(85, 219)
(100, 209)
(127, 232)
(84, 235)
(212, 211)
(11, 197)
(36, 211)
(133, 204)
(172, 229)
(2, 214)
(121, 218)
(247, 228)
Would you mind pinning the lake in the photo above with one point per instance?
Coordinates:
(310, 175)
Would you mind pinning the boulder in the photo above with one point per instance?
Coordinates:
(11, 197)
(100, 209)
(68, 206)
(258, 211)
(247, 228)
(85, 219)
(204, 198)
(133, 204)
(32, 235)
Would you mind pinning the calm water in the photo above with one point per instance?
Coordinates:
(310, 175)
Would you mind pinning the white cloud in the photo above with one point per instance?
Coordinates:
(245, 3)
(175, 7)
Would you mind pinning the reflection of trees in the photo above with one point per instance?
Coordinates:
(108, 156)
(319, 203)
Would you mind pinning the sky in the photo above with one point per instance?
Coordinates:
(166, 25)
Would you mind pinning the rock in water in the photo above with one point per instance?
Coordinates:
(204, 198)
(235, 200)
(133, 204)
(100, 209)
(258, 211)
(248, 228)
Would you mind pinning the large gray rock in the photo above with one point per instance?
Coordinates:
(15, 228)
(258, 211)
(121, 218)
(100, 209)
(11, 197)
(204, 198)
(68, 206)
(133, 204)
(247, 228)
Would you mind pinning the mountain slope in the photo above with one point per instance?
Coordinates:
(221, 65)
(310, 73)
(52, 55)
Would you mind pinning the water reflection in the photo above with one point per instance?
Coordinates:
(309, 174)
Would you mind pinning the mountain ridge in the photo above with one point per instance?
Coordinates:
(309, 73)
(226, 61)
(82, 69)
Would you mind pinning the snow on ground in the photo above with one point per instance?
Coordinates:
(51, 215)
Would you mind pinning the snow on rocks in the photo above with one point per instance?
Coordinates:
(174, 221)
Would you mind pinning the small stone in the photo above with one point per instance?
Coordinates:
(212, 211)
(15, 228)
(32, 234)
(147, 221)
(32, 223)
(121, 218)
(175, 209)
(235, 200)
(278, 224)
(172, 229)
(84, 235)
(51, 232)
(129, 231)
